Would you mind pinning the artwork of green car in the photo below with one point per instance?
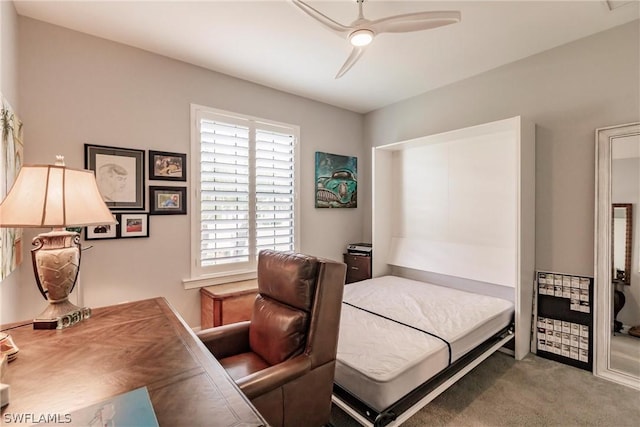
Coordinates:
(337, 191)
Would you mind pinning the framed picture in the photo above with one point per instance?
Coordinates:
(11, 153)
(168, 200)
(167, 166)
(336, 181)
(102, 232)
(134, 225)
(119, 174)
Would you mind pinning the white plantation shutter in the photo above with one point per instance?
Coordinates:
(245, 199)
(224, 193)
(274, 190)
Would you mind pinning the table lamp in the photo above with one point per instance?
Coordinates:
(55, 196)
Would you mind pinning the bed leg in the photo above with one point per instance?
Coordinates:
(384, 418)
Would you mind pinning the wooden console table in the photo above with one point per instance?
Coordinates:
(119, 349)
(228, 303)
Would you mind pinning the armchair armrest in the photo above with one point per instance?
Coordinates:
(268, 379)
(227, 340)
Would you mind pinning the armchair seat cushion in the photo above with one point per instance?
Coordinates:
(243, 364)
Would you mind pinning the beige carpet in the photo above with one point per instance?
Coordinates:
(531, 392)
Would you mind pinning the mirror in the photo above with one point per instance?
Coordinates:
(622, 236)
(617, 293)
(622, 232)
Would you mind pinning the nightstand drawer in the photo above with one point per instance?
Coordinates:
(358, 267)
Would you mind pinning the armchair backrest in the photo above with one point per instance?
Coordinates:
(297, 308)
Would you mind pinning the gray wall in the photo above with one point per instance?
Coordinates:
(568, 92)
(77, 89)
(9, 52)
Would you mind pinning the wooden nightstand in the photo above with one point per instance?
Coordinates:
(228, 303)
(358, 267)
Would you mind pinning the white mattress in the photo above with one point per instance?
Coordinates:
(379, 360)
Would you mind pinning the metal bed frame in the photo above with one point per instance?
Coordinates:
(418, 398)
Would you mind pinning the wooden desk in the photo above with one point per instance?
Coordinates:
(121, 348)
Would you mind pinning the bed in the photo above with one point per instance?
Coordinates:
(454, 209)
(397, 335)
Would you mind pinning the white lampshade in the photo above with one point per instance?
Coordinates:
(54, 196)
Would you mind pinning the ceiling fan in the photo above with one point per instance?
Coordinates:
(362, 31)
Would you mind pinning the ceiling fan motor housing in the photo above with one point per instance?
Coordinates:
(361, 37)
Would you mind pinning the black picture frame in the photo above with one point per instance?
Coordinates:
(166, 166)
(167, 200)
(133, 225)
(114, 167)
(102, 232)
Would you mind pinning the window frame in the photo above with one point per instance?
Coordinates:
(210, 275)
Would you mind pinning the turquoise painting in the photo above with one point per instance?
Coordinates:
(336, 181)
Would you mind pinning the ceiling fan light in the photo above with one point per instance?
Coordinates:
(361, 37)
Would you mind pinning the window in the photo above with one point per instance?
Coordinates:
(244, 176)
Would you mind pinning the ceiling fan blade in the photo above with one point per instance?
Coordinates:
(414, 21)
(356, 53)
(322, 18)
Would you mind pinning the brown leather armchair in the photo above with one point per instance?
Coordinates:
(283, 359)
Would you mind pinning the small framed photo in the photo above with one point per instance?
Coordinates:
(102, 232)
(119, 175)
(134, 225)
(166, 166)
(168, 200)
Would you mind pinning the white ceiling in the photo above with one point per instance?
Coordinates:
(274, 44)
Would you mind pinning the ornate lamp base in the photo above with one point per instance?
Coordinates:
(58, 309)
(56, 262)
(60, 316)
(62, 322)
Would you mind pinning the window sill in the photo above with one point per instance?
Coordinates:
(203, 281)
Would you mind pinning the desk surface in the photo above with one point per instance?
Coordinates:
(119, 349)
